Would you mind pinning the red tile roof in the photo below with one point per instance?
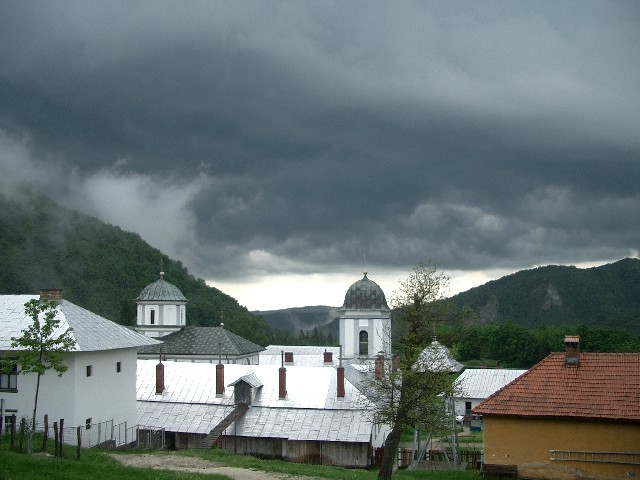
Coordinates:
(603, 386)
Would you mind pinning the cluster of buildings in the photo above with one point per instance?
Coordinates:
(573, 415)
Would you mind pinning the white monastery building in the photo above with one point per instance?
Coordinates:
(99, 386)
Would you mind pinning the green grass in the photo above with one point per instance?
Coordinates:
(97, 464)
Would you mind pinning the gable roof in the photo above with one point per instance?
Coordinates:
(310, 411)
(483, 382)
(90, 331)
(603, 386)
(209, 341)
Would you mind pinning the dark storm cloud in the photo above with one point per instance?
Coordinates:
(480, 135)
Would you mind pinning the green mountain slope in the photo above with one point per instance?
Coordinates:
(605, 296)
(103, 268)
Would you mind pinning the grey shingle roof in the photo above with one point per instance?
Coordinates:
(365, 294)
(161, 290)
(204, 341)
(90, 331)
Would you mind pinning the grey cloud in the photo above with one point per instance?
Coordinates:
(483, 136)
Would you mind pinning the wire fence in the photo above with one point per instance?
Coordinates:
(105, 434)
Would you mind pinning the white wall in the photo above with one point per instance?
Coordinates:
(106, 395)
(378, 327)
(165, 314)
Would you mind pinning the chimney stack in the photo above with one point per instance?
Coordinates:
(282, 384)
(572, 349)
(288, 357)
(50, 294)
(379, 367)
(340, 386)
(159, 378)
(328, 357)
(282, 376)
(219, 380)
(395, 363)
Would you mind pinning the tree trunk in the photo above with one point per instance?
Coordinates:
(33, 423)
(390, 454)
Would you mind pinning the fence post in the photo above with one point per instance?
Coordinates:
(1, 424)
(61, 436)
(23, 427)
(55, 439)
(126, 442)
(13, 430)
(46, 433)
(79, 433)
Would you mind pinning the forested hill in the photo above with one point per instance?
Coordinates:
(605, 296)
(103, 268)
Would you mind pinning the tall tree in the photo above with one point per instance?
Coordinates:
(412, 395)
(41, 347)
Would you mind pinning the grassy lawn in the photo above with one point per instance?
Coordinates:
(99, 465)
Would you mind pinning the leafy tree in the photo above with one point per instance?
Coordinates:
(410, 397)
(41, 348)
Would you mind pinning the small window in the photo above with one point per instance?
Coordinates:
(9, 380)
(118, 367)
(153, 317)
(87, 423)
(89, 370)
(364, 343)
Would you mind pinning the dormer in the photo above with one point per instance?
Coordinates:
(246, 388)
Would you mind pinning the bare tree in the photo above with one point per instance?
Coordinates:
(41, 347)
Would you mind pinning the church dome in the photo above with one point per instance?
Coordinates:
(365, 294)
(161, 290)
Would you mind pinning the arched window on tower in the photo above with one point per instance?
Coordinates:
(364, 343)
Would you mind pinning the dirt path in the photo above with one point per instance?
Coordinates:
(200, 465)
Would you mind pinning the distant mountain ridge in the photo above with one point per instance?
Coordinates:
(303, 318)
(605, 296)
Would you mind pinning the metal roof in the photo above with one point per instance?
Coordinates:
(210, 341)
(482, 382)
(162, 291)
(250, 379)
(303, 356)
(365, 294)
(310, 410)
(90, 331)
(437, 358)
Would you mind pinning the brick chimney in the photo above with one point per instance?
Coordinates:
(50, 294)
(282, 383)
(159, 378)
(328, 357)
(340, 383)
(219, 380)
(395, 363)
(379, 367)
(572, 350)
(288, 357)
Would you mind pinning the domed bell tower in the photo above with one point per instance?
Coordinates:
(365, 321)
(161, 309)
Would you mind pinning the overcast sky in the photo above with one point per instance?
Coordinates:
(279, 148)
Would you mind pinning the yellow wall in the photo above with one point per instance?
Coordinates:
(527, 443)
